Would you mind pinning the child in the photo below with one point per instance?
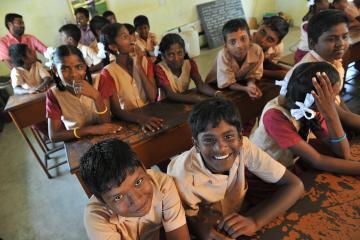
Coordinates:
(110, 16)
(303, 48)
(240, 63)
(269, 37)
(70, 34)
(73, 107)
(129, 202)
(82, 19)
(309, 106)
(96, 24)
(132, 79)
(174, 69)
(144, 38)
(210, 177)
(339, 4)
(28, 75)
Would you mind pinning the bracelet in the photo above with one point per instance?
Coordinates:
(103, 112)
(75, 132)
(337, 140)
(217, 92)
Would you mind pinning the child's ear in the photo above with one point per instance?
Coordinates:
(196, 144)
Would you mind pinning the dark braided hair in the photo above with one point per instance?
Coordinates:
(108, 36)
(166, 42)
(300, 84)
(60, 53)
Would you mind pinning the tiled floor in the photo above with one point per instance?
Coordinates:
(34, 207)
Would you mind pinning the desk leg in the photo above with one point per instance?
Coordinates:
(86, 189)
(30, 145)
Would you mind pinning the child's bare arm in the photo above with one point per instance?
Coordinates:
(181, 233)
(179, 97)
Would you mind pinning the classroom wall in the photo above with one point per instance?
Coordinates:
(43, 18)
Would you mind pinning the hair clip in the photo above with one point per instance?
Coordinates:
(283, 84)
(304, 108)
(49, 55)
(157, 51)
(101, 50)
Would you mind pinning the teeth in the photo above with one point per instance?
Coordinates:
(222, 157)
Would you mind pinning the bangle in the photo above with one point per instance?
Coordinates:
(337, 140)
(75, 132)
(103, 112)
(216, 93)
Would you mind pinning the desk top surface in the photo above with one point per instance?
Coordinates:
(330, 208)
(19, 101)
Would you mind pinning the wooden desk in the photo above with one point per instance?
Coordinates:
(175, 138)
(26, 110)
(330, 208)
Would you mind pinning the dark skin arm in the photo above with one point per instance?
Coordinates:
(274, 70)
(251, 89)
(179, 97)
(96, 68)
(181, 233)
(203, 87)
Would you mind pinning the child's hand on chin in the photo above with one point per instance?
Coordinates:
(236, 225)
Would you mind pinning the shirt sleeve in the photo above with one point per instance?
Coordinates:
(256, 69)
(280, 129)
(97, 223)
(194, 71)
(161, 76)
(93, 56)
(279, 49)
(261, 164)
(4, 52)
(173, 211)
(53, 110)
(224, 73)
(16, 78)
(42, 71)
(106, 84)
(39, 46)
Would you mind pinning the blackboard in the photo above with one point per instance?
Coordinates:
(214, 14)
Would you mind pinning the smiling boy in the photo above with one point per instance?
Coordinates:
(210, 176)
(129, 202)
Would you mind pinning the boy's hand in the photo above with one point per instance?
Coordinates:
(151, 42)
(324, 95)
(253, 90)
(236, 225)
(151, 124)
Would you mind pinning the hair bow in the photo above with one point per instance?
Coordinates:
(187, 47)
(311, 2)
(157, 51)
(101, 50)
(304, 108)
(49, 55)
(283, 84)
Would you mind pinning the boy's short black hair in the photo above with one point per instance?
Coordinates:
(97, 23)
(106, 165)
(107, 14)
(83, 11)
(10, 18)
(71, 30)
(234, 25)
(277, 24)
(141, 20)
(130, 28)
(323, 21)
(17, 52)
(213, 111)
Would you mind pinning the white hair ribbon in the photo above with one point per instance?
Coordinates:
(49, 55)
(101, 50)
(304, 108)
(311, 2)
(187, 47)
(283, 84)
(157, 51)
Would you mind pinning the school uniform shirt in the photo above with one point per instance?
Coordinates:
(166, 211)
(273, 54)
(278, 131)
(227, 71)
(128, 88)
(178, 84)
(312, 56)
(304, 42)
(199, 188)
(32, 42)
(28, 78)
(143, 43)
(74, 111)
(87, 37)
(89, 54)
